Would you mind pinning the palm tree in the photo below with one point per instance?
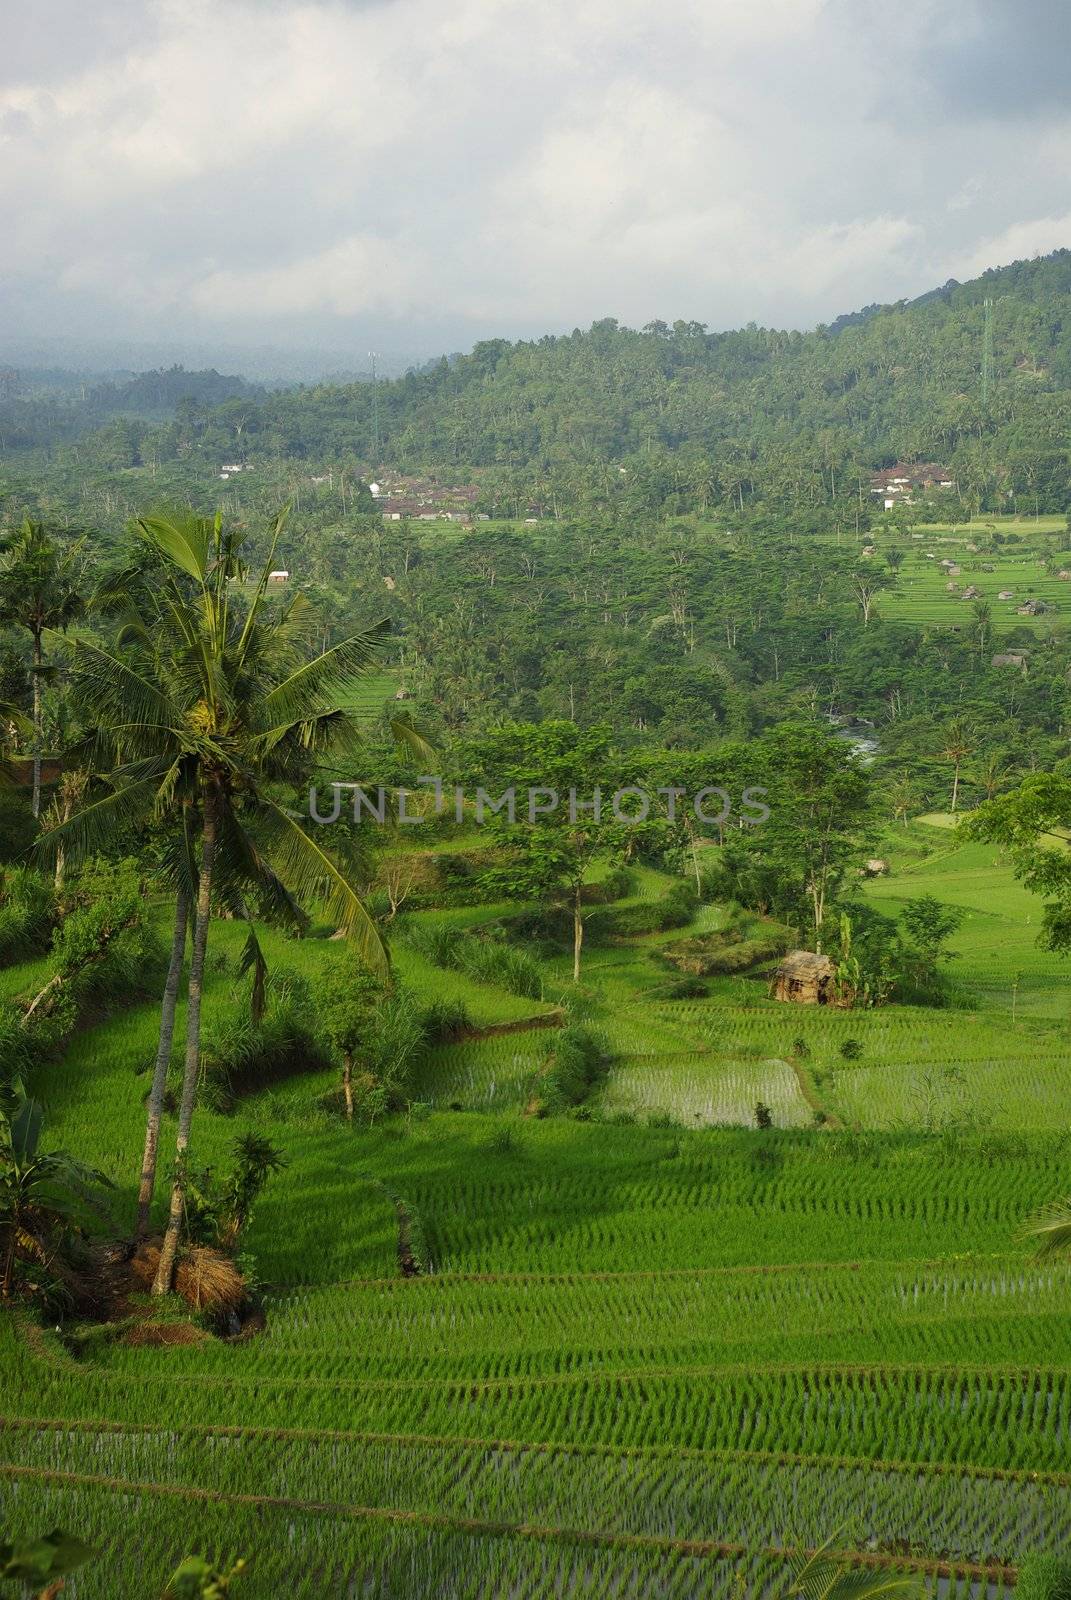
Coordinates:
(958, 745)
(39, 589)
(1052, 1227)
(212, 710)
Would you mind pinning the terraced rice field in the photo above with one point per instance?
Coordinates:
(921, 596)
(648, 1355)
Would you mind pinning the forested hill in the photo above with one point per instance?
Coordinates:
(696, 418)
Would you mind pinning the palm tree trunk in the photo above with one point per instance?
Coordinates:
(166, 1269)
(37, 718)
(347, 1082)
(578, 937)
(163, 1061)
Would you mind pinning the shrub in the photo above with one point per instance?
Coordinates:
(712, 954)
(580, 1061)
(675, 910)
(763, 1115)
(27, 913)
(851, 1049)
(618, 884)
(446, 1020)
(240, 1056)
(489, 960)
(689, 987)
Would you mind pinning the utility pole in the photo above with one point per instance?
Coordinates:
(375, 412)
(987, 350)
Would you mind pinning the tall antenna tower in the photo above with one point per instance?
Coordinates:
(987, 351)
(375, 411)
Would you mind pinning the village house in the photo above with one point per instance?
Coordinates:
(1033, 608)
(279, 576)
(900, 484)
(1010, 658)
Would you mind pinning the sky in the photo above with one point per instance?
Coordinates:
(302, 181)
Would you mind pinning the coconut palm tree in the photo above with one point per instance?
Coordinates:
(213, 706)
(958, 745)
(39, 591)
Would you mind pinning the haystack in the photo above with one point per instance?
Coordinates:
(206, 1279)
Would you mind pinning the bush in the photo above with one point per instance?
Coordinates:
(445, 1021)
(241, 1056)
(27, 913)
(687, 988)
(715, 954)
(580, 1061)
(675, 910)
(618, 884)
(851, 1049)
(18, 825)
(489, 960)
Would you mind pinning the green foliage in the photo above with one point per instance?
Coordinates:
(930, 925)
(198, 1579)
(219, 1206)
(27, 913)
(487, 959)
(241, 1056)
(45, 1199)
(43, 1559)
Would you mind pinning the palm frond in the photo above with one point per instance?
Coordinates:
(1051, 1227)
(326, 683)
(182, 540)
(107, 683)
(311, 873)
(407, 736)
(825, 1574)
(102, 822)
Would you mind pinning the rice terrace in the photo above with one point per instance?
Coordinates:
(535, 880)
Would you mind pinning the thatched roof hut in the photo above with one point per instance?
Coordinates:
(806, 978)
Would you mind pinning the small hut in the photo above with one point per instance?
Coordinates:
(805, 978)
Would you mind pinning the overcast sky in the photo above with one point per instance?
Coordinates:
(412, 175)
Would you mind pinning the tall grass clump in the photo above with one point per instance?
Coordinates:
(578, 1063)
(489, 960)
(27, 913)
(251, 1048)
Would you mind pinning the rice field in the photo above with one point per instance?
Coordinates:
(921, 595)
(654, 1350)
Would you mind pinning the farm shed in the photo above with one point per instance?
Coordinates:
(805, 978)
(1011, 658)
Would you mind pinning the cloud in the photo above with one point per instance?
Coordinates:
(354, 171)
